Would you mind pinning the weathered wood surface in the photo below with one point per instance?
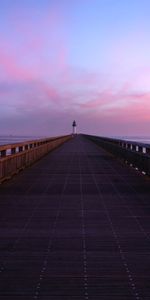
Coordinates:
(75, 226)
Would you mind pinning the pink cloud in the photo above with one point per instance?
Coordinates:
(10, 66)
(138, 112)
(49, 88)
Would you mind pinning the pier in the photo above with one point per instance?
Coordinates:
(75, 223)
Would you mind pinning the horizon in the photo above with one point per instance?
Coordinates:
(78, 133)
(10, 139)
(81, 60)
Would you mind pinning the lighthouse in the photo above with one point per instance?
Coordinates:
(74, 127)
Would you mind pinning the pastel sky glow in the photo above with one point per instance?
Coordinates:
(87, 60)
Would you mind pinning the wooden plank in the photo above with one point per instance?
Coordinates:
(74, 226)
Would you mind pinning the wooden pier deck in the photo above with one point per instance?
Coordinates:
(75, 226)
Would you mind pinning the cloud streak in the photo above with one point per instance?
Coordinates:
(44, 91)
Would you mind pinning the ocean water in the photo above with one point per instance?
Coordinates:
(139, 139)
(5, 140)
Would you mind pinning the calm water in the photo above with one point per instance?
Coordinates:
(4, 140)
(16, 139)
(140, 139)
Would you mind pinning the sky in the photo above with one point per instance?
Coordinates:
(83, 60)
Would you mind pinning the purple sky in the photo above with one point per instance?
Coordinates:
(84, 60)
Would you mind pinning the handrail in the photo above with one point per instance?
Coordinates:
(16, 157)
(24, 145)
(141, 147)
(135, 153)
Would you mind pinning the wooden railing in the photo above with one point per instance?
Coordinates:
(16, 157)
(135, 154)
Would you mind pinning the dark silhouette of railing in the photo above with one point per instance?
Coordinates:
(135, 154)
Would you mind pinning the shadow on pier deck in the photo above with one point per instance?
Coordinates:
(75, 226)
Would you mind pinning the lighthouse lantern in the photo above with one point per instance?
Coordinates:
(74, 127)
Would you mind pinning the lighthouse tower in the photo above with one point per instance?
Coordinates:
(74, 127)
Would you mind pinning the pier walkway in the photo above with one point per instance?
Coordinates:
(75, 226)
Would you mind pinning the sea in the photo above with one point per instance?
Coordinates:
(139, 139)
(12, 139)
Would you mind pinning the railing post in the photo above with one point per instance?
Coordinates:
(3, 153)
(140, 149)
(148, 150)
(133, 147)
(13, 150)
